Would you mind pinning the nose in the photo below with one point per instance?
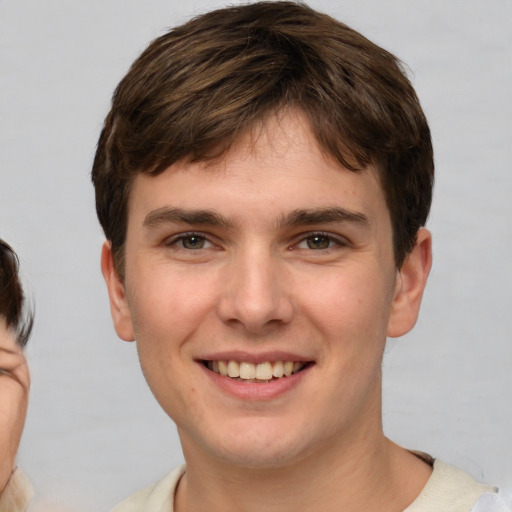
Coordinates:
(255, 295)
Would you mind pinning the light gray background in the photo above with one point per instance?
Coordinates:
(94, 433)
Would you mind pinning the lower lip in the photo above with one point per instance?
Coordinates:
(254, 390)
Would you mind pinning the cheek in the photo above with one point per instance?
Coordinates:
(162, 320)
(166, 312)
(349, 301)
(351, 311)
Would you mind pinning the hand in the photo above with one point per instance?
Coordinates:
(14, 387)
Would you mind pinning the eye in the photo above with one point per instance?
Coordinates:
(318, 241)
(193, 242)
(321, 242)
(189, 241)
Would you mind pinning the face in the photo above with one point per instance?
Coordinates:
(14, 385)
(275, 266)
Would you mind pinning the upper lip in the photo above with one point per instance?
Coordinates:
(252, 357)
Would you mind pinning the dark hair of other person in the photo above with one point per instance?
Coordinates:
(12, 300)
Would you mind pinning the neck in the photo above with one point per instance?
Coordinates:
(367, 473)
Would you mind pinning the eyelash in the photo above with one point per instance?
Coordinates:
(174, 240)
(333, 241)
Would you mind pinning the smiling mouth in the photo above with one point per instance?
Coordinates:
(255, 373)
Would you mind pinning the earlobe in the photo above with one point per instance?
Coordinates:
(410, 284)
(119, 309)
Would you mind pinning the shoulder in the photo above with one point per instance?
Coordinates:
(155, 498)
(451, 490)
(18, 493)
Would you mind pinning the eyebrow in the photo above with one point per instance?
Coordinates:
(211, 218)
(167, 215)
(323, 216)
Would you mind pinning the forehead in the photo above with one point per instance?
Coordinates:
(278, 165)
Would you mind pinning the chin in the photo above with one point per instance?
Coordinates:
(255, 457)
(263, 446)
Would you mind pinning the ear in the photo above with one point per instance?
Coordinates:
(119, 309)
(410, 283)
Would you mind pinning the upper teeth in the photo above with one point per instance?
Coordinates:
(260, 371)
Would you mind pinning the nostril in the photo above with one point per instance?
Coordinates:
(255, 298)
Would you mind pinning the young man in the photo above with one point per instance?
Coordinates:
(15, 489)
(263, 179)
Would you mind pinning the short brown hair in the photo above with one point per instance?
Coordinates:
(195, 89)
(11, 296)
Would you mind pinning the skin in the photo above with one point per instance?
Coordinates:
(14, 388)
(264, 280)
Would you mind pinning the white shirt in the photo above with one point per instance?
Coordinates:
(447, 490)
